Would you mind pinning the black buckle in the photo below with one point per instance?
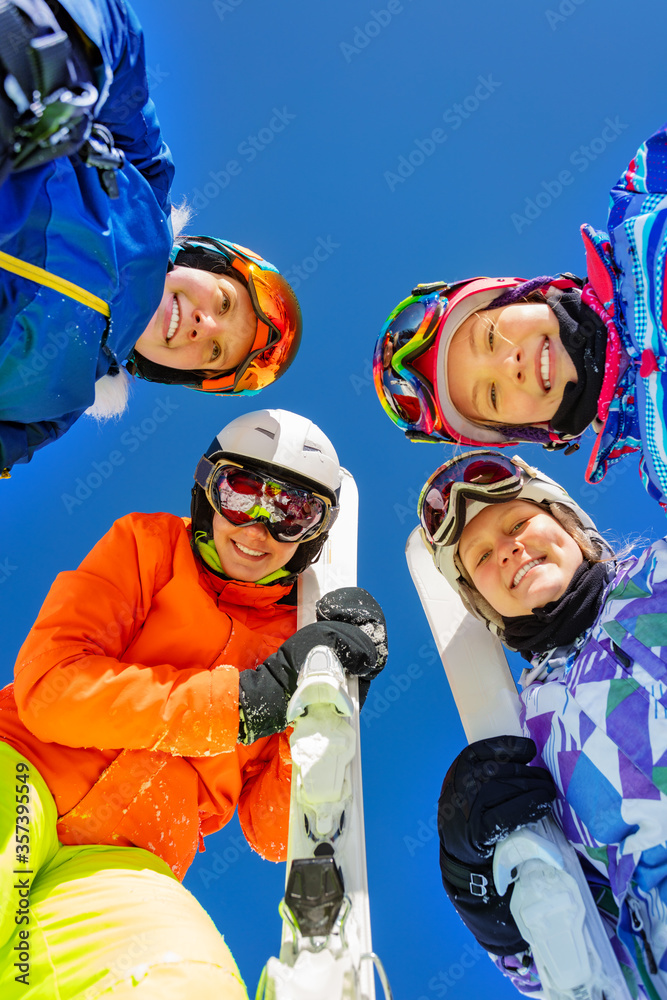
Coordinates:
(100, 152)
(425, 288)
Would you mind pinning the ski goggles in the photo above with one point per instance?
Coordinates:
(406, 396)
(486, 477)
(289, 513)
(278, 332)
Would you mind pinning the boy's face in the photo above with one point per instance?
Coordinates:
(205, 321)
(508, 365)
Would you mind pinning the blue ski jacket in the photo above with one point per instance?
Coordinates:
(597, 711)
(626, 288)
(58, 217)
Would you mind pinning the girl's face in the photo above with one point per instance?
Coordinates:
(204, 321)
(518, 556)
(508, 365)
(247, 551)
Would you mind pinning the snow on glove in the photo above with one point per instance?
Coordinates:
(356, 606)
(264, 692)
(489, 791)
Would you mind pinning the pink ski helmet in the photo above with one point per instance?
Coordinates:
(410, 360)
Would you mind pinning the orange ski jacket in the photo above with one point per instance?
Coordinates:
(125, 697)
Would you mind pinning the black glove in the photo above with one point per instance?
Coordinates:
(357, 607)
(488, 792)
(264, 693)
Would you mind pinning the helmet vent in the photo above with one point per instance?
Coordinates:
(265, 430)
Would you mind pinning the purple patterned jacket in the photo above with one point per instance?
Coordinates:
(597, 711)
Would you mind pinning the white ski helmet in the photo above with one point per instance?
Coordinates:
(285, 441)
(461, 488)
(283, 444)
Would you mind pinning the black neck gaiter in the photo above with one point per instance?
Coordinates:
(584, 337)
(560, 622)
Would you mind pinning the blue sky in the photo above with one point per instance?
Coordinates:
(362, 148)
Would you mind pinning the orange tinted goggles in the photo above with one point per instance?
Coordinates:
(278, 325)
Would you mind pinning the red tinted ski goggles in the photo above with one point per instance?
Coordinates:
(289, 513)
(407, 396)
(483, 476)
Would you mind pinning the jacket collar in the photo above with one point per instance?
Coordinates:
(254, 595)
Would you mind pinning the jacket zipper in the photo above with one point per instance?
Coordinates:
(638, 928)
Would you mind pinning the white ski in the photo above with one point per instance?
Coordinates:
(551, 902)
(326, 951)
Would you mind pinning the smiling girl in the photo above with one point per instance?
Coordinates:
(529, 562)
(499, 360)
(92, 284)
(149, 704)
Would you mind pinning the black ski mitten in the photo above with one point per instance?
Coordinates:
(356, 606)
(489, 791)
(265, 691)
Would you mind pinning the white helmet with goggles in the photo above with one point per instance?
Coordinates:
(276, 468)
(460, 489)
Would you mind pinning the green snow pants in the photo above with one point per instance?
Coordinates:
(78, 923)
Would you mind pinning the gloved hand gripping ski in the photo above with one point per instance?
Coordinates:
(489, 791)
(355, 606)
(264, 693)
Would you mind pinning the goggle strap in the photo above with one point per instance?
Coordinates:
(425, 288)
(203, 472)
(421, 437)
